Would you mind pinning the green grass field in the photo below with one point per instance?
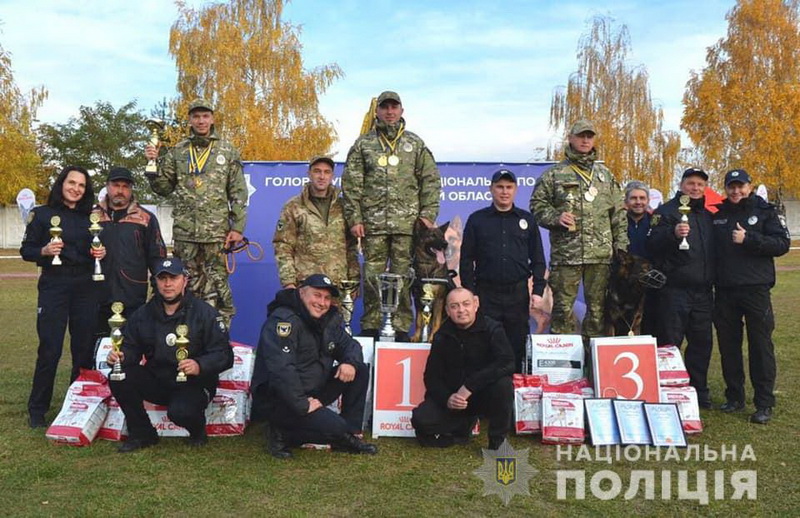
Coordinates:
(234, 477)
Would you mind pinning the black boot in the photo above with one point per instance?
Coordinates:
(495, 441)
(762, 415)
(277, 445)
(352, 444)
(37, 421)
(197, 439)
(137, 444)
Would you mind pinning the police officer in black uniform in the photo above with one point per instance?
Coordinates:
(294, 378)
(500, 251)
(153, 332)
(748, 234)
(67, 294)
(686, 300)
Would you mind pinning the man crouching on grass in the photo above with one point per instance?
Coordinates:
(295, 379)
(468, 375)
(154, 331)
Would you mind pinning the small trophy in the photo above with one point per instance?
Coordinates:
(427, 300)
(155, 126)
(684, 209)
(348, 287)
(389, 286)
(115, 323)
(94, 230)
(55, 237)
(182, 351)
(572, 194)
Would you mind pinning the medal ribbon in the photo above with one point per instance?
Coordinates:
(393, 144)
(198, 163)
(583, 175)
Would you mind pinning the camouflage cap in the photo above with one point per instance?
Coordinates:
(388, 95)
(200, 104)
(582, 125)
(321, 158)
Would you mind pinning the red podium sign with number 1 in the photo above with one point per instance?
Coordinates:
(626, 368)
(399, 386)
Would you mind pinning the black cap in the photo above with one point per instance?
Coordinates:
(120, 173)
(693, 171)
(171, 265)
(737, 175)
(321, 281)
(504, 174)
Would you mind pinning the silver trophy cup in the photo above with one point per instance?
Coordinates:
(389, 286)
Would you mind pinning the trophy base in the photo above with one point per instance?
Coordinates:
(151, 169)
(98, 277)
(382, 338)
(181, 378)
(56, 261)
(682, 247)
(117, 376)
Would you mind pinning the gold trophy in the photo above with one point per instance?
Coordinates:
(348, 287)
(426, 299)
(182, 352)
(684, 209)
(115, 323)
(155, 126)
(94, 230)
(571, 189)
(55, 237)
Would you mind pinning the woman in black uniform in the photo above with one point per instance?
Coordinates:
(66, 291)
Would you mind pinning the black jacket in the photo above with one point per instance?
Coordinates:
(133, 245)
(750, 263)
(76, 237)
(147, 333)
(296, 351)
(473, 357)
(693, 268)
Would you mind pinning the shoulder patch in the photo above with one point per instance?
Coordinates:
(281, 224)
(221, 324)
(283, 329)
(655, 219)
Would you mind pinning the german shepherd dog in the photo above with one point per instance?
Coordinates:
(631, 275)
(429, 262)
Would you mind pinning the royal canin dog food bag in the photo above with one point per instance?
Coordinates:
(671, 369)
(114, 427)
(688, 408)
(83, 411)
(559, 357)
(227, 414)
(562, 414)
(240, 375)
(528, 403)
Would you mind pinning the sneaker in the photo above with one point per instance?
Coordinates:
(352, 444)
(732, 406)
(137, 444)
(762, 415)
(37, 421)
(277, 445)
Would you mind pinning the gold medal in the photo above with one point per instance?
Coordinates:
(198, 182)
(394, 160)
(382, 161)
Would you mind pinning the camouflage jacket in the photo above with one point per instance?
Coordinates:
(602, 224)
(387, 199)
(205, 206)
(305, 244)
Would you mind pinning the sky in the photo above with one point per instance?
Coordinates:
(476, 76)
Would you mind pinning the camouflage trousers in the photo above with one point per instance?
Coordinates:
(564, 281)
(390, 253)
(208, 276)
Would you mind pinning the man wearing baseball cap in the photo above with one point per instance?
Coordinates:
(311, 232)
(294, 379)
(748, 234)
(133, 244)
(186, 385)
(684, 251)
(203, 173)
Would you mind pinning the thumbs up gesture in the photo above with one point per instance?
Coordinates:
(738, 234)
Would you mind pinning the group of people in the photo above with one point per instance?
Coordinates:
(306, 360)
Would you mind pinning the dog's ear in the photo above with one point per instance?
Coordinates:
(621, 254)
(419, 226)
(443, 228)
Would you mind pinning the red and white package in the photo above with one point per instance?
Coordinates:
(559, 357)
(562, 414)
(101, 351)
(228, 413)
(114, 427)
(671, 369)
(83, 411)
(161, 422)
(528, 403)
(239, 376)
(688, 408)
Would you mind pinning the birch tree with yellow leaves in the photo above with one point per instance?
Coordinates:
(743, 109)
(247, 61)
(616, 98)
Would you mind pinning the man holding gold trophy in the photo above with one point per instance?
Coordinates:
(186, 345)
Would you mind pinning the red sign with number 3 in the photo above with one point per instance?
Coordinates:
(626, 368)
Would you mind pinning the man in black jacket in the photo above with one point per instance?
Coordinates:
(748, 234)
(686, 301)
(295, 379)
(468, 374)
(154, 332)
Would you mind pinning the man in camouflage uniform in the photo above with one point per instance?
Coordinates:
(204, 174)
(311, 235)
(581, 205)
(390, 179)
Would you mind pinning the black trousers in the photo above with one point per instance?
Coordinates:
(66, 297)
(686, 313)
(323, 425)
(753, 304)
(509, 305)
(186, 402)
(495, 402)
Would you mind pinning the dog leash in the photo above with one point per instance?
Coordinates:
(245, 245)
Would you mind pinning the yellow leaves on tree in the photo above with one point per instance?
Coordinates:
(21, 165)
(616, 98)
(242, 57)
(743, 109)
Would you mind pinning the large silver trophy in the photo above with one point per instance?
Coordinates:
(389, 286)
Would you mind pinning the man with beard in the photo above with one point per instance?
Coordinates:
(154, 332)
(133, 244)
(294, 379)
(686, 300)
(390, 179)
